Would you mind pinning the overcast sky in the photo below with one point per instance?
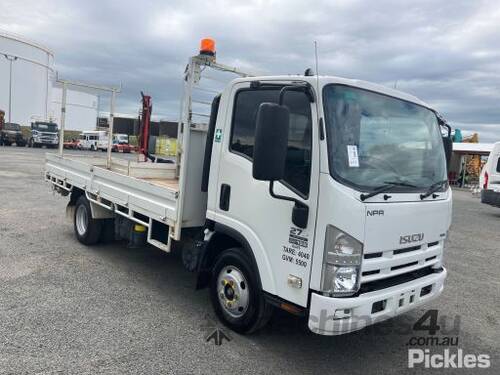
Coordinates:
(445, 52)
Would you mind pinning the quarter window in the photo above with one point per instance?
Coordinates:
(298, 160)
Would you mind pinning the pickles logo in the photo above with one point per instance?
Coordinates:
(447, 359)
(409, 238)
(439, 348)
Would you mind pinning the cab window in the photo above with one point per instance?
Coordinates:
(298, 159)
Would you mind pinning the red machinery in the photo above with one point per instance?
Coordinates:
(144, 132)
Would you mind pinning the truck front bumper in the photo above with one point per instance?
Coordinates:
(336, 316)
(490, 197)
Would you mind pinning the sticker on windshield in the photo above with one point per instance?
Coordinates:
(352, 155)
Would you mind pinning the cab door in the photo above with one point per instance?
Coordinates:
(283, 252)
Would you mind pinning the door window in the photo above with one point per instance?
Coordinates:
(298, 159)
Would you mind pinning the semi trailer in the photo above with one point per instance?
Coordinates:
(322, 196)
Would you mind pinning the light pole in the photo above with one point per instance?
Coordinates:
(11, 60)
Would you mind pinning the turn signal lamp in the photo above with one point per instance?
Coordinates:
(486, 180)
(207, 47)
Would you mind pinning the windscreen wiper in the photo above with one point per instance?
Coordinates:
(432, 189)
(387, 186)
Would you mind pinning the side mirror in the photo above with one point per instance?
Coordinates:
(448, 149)
(447, 144)
(269, 153)
(271, 142)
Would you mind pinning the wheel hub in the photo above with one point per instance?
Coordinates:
(81, 220)
(233, 291)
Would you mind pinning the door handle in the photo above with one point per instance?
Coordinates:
(225, 197)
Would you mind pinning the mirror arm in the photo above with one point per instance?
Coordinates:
(300, 210)
(282, 197)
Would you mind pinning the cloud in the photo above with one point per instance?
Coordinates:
(445, 53)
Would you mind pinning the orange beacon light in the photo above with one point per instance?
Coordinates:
(207, 47)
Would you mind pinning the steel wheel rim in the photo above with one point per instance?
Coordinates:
(81, 220)
(232, 291)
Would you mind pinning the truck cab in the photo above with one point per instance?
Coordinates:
(348, 216)
(11, 133)
(44, 133)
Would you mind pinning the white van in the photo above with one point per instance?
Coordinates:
(490, 178)
(89, 140)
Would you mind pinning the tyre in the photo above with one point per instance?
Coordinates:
(235, 293)
(87, 230)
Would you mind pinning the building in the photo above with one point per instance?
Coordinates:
(468, 158)
(130, 126)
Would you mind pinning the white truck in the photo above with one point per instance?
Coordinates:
(323, 196)
(489, 179)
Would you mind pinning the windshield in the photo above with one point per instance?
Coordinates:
(374, 139)
(45, 127)
(12, 126)
(120, 138)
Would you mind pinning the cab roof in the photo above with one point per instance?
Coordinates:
(325, 80)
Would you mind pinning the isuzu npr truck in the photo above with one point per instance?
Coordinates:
(323, 196)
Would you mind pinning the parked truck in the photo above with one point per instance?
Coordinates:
(11, 133)
(44, 133)
(322, 196)
(490, 178)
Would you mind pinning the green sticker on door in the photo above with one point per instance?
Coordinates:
(218, 135)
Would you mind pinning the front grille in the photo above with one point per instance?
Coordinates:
(389, 263)
(396, 280)
(407, 250)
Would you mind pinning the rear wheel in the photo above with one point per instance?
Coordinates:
(87, 230)
(236, 296)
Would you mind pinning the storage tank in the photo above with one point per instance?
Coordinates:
(26, 75)
(27, 82)
(81, 108)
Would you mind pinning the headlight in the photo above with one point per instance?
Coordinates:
(342, 263)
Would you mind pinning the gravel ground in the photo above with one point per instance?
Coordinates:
(66, 308)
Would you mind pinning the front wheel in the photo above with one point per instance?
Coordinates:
(87, 230)
(235, 293)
